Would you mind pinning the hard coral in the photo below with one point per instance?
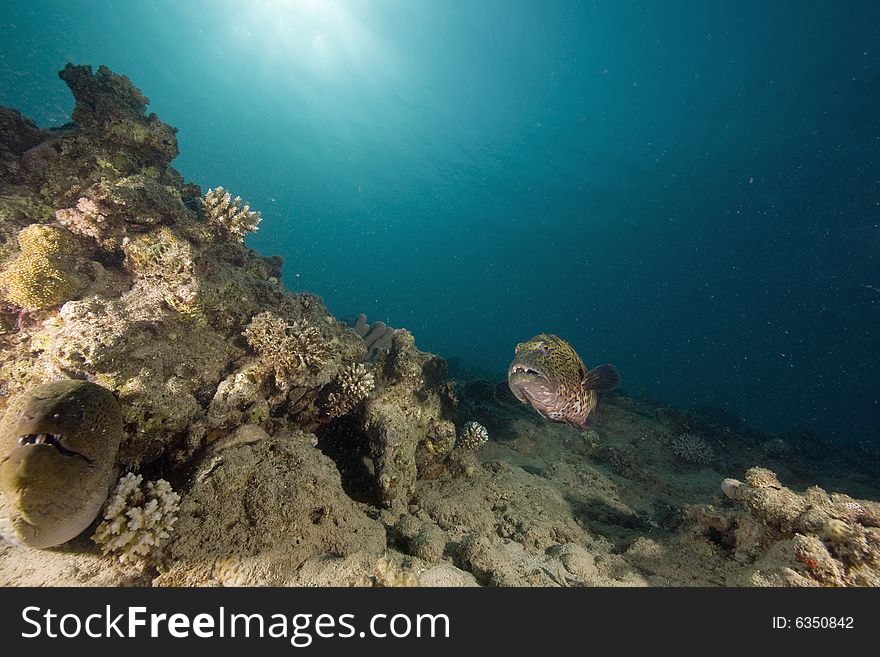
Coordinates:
(353, 385)
(228, 215)
(472, 436)
(40, 277)
(87, 219)
(692, 449)
(290, 350)
(137, 518)
(111, 107)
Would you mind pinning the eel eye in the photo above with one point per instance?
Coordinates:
(543, 348)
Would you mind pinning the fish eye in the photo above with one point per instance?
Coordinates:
(543, 348)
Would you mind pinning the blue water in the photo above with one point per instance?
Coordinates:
(690, 191)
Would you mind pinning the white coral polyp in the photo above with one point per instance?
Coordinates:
(226, 212)
(355, 384)
(137, 518)
(473, 435)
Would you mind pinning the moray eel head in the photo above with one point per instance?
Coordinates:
(58, 444)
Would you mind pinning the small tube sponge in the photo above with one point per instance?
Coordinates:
(472, 436)
(40, 277)
(353, 386)
(292, 350)
(227, 213)
(137, 518)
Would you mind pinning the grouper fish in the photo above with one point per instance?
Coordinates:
(548, 374)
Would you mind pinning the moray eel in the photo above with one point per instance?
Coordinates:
(58, 444)
(548, 374)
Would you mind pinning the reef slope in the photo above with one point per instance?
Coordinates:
(303, 458)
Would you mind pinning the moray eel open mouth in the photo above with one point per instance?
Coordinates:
(53, 440)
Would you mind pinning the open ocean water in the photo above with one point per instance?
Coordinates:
(690, 191)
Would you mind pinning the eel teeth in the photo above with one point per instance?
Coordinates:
(40, 439)
(53, 439)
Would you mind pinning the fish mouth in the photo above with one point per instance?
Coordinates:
(518, 368)
(52, 440)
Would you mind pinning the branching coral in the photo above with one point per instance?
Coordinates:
(291, 350)
(137, 518)
(692, 449)
(354, 385)
(40, 277)
(228, 215)
(472, 436)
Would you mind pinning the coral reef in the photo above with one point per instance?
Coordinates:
(228, 215)
(377, 336)
(411, 412)
(278, 499)
(692, 449)
(472, 436)
(42, 275)
(354, 384)
(138, 518)
(293, 352)
(58, 445)
(830, 539)
(295, 461)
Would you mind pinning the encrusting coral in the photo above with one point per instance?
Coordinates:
(138, 518)
(87, 219)
(228, 215)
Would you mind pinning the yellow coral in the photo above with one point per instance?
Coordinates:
(42, 239)
(38, 278)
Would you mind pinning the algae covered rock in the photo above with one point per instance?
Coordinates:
(798, 538)
(58, 445)
(410, 413)
(275, 501)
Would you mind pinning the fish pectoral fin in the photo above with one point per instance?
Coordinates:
(602, 378)
(503, 394)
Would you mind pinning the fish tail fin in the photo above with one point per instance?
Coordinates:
(602, 378)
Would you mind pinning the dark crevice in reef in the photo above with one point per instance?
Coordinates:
(344, 441)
